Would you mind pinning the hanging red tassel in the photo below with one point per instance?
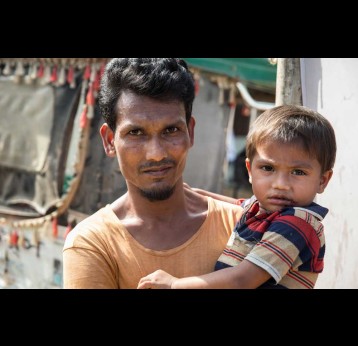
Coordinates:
(101, 70)
(54, 228)
(40, 71)
(68, 230)
(90, 101)
(90, 98)
(83, 119)
(87, 73)
(53, 77)
(14, 238)
(96, 82)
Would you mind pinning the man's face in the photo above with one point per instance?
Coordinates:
(151, 143)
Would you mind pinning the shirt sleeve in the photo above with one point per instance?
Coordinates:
(85, 265)
(288, 243)
(90, 270)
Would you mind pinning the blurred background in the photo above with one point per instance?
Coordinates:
(54, 172)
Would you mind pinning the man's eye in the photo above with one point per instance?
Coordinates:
(135, 132)
(171, 129)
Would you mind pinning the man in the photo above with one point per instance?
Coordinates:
(158, 223)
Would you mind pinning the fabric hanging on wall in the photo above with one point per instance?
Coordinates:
(31, 175)
(39, 99)
(23, 145)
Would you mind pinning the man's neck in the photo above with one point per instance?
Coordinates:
(165, 224)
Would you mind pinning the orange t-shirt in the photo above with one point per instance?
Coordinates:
(100, 253)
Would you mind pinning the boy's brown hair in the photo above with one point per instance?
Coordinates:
(295, 124)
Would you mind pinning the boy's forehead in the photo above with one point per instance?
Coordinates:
(297, 143)
(290, 150)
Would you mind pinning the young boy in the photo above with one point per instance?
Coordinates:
(279, 240)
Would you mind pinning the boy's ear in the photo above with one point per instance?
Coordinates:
(107, 136)
(248, 167)
(325, 178)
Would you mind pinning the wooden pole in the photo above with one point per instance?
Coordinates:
(288, 82)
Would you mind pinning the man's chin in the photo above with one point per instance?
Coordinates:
(158, 194)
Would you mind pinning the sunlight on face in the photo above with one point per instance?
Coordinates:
(284, 175)
(152, 141)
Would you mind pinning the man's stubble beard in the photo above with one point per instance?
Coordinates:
(158, 195)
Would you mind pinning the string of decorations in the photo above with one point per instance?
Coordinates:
(61, 71)
(56, 72)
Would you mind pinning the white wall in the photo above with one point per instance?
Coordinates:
(330, 86)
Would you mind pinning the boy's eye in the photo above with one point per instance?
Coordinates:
(267, 168)
(298, 172)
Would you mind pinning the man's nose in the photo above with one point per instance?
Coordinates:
(155, 149)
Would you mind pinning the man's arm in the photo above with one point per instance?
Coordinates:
(212, 194)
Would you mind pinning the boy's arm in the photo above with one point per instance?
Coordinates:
(244, 275)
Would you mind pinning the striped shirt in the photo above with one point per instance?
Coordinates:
(289, 244)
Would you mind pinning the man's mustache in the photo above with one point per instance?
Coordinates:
(164, 162)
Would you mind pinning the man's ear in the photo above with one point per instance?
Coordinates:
(107, 136)
(248, 167)
(191, 127)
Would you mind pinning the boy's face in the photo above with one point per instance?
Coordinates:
(151, 143)
(284, 175)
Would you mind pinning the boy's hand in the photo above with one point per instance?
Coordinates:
(157, 279)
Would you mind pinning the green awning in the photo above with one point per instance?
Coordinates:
(257, 73)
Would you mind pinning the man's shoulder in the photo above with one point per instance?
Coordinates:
(97, 217)
(223, 206)
(223, 215)
(91, 227)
